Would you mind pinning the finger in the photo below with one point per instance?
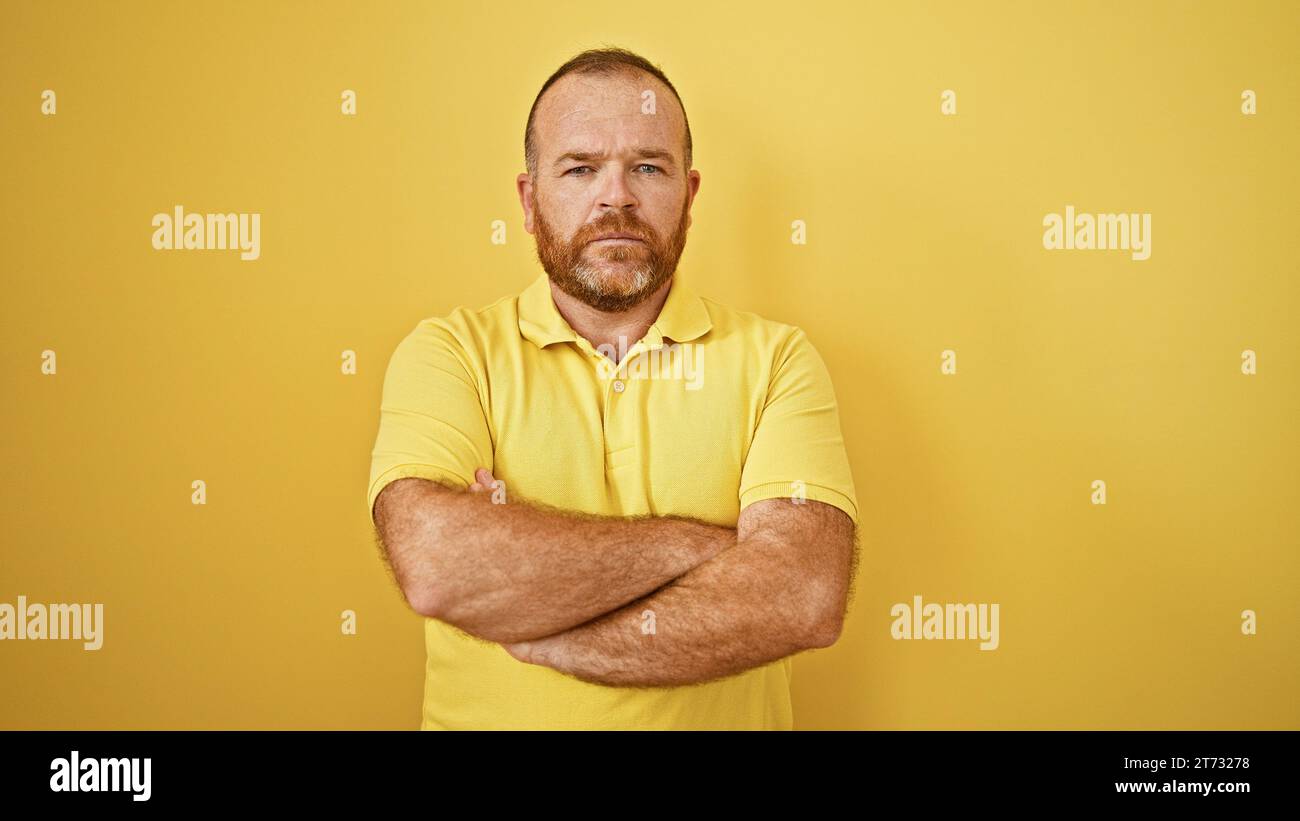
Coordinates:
(521, 651)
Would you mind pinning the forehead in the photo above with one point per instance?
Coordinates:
(583, 111)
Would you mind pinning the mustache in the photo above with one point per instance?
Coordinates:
(595, 230)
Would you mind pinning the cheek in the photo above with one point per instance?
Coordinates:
(665, 223)
(561, 219)
(668, 211)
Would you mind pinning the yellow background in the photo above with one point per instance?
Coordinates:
(924, 234)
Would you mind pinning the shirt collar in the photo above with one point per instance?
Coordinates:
(683, 316)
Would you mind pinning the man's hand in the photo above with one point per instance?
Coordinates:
(523, 650)
(483, 480)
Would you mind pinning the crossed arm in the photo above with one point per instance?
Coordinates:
(650, 601)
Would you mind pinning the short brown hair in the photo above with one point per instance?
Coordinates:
(604, 62)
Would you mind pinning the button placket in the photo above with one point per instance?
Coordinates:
(618, 384)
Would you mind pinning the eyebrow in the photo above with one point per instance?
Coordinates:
(643, 153)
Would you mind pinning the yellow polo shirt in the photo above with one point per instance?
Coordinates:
(713, 410)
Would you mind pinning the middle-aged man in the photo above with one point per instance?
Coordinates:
(604, 534)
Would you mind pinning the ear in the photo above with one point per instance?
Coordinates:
(524, 184)
(692, 188)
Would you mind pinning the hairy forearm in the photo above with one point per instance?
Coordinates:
(517, 571)
(752, 605)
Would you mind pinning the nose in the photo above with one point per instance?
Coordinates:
(616, 193)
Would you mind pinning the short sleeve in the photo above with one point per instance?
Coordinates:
(431, 419)
(798, 450)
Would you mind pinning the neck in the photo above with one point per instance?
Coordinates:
(604, 328)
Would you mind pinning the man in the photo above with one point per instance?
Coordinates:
(619, 505)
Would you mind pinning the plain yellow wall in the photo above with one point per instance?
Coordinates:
(924, 235)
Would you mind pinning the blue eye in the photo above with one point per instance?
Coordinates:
(654, 168)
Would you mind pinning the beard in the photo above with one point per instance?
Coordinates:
(610, 278)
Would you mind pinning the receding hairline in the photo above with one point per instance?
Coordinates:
(634, 76)
(617, 69)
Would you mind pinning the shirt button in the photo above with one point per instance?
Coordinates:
(619, 386)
